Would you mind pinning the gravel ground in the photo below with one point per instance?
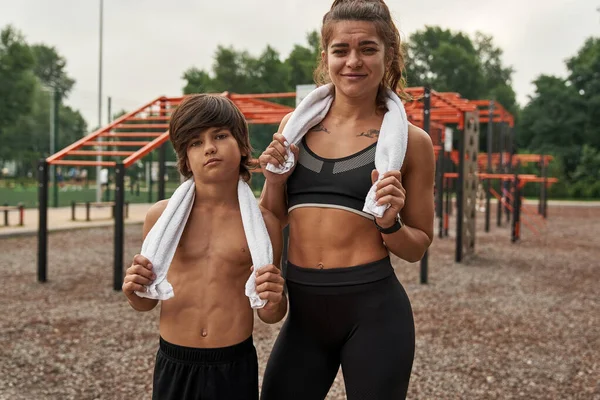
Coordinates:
(514, 321)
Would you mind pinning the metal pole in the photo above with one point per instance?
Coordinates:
(51, 111)
(448, 208)
(490, 134)
(43, 219)
(500, 170)
(541, 193)
(150, 162)
(426, 128)
(459, 196)
(516, 223)
(119, 230)
(55, 139)
(162, 160)
(544, 187)
(440, 191)
(99, 158)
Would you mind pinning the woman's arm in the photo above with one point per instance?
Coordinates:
(273, 197)
(413, 198)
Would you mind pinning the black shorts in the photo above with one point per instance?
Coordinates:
(228, 373)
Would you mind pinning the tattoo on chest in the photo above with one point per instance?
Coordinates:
(319, 128)
(371, 133)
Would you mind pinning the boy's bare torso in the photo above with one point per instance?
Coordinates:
(208, 273)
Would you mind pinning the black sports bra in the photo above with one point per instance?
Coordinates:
(341, 183)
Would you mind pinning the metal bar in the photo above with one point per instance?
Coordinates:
(149, 177)
(56, 126)
(99, 132)
(516, 206)
(99, 158)
(459, 198)
(235, 96)
(162, 159)
(146, 149)
(117, 144)
(490, 134)
(545, 178)
(448, 209)
(100, 153)
(132, 134)
(142, 126)
(84, 163)
(501, 170)
(119, 229)
(509, 149)
(164, 118)
(43, 220)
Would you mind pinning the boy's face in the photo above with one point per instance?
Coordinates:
(214, 155)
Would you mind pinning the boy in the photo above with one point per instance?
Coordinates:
(206, 349)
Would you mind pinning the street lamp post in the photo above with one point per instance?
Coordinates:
(99, 158)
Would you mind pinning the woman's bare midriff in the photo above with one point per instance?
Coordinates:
(332, 238)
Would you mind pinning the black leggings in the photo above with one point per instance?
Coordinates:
(359, 317)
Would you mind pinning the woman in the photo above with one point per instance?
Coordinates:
(346, 304)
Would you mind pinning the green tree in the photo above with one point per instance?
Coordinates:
(17, 81)
(562, 117)
(49, 67)
(29, 76)
(584, 76)
(553, 122)
(453, 62)
(302, 60)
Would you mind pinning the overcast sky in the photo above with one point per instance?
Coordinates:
(148, 44)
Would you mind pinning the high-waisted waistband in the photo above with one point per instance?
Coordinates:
(346, 276)
(206, 355)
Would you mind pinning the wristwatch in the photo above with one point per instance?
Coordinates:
(394, 228)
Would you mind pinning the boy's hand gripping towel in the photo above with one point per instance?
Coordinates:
(161, 242)
(391, 144)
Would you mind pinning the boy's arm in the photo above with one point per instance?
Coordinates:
(141, 267)
(269, 284)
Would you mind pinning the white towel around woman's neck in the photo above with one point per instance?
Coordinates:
(161, 242)
(391, 144)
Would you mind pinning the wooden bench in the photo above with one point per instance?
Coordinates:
(20, 208)
(102, 204)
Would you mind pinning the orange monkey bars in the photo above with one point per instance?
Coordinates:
(149, 124)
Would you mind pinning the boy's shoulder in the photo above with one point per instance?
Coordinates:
(154, 213)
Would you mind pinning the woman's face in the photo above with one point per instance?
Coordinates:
(355, 58)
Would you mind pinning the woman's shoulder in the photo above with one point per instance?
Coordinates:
(418, 135)
(284, 121)
(419, 146)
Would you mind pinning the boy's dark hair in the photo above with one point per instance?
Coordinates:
(199, 112)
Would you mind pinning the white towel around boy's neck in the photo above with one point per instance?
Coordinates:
(161, 242)
(391, 144)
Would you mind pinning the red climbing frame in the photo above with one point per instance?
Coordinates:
(149, 123)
